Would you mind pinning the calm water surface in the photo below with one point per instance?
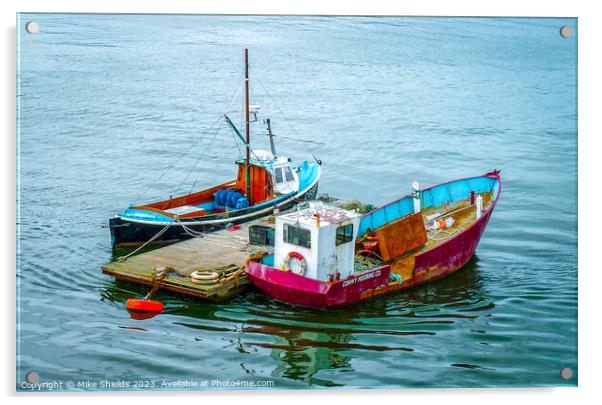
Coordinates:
(107, 103)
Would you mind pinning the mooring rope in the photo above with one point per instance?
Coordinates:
(158, 279)
(189, 231)
(240, 270)
(161, 232)
(359, 254)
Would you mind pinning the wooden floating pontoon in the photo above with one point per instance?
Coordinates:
(223, 252)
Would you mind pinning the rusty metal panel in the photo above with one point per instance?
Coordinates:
(401, 236)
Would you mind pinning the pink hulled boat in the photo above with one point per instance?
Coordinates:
(327, 256)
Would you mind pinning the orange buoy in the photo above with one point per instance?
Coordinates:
(140, 316)
(144, 305)
(145, 308)
(439, 224)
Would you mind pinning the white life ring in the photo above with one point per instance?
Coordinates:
(301, 266)
(204, 277)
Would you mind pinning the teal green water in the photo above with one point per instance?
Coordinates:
(106, 103)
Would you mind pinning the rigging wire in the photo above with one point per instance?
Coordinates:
(265, 143)
(198, 160)
(192, 145)
(243, 119)
(237, 145)
(211, 141)
(234, 96)
(304, 142)
(209, 144)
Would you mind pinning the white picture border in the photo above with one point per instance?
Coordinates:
(590, 211)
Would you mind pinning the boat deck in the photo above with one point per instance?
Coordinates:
(223, 252)
(463, 213)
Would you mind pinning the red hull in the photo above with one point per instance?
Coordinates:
(289, 287)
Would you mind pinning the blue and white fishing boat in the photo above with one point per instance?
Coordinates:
(266, 181)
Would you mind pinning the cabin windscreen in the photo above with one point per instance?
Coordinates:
(278, 173)
(296, 235)
(433, 197)
(344, 234)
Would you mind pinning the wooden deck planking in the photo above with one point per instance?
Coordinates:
(222, 251)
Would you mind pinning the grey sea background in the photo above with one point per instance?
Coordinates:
(107, 102)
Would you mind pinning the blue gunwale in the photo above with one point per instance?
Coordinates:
(307, 173)
(435, 196)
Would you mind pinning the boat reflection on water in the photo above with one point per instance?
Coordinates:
(313, 341)
(459, 290)
(312, 346)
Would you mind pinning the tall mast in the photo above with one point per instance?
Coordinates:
(248, 128)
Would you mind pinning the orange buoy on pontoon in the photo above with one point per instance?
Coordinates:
(144, 305)
(145, 308)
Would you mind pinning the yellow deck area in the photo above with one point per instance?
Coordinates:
(223, 252)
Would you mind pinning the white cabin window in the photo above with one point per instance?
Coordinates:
(344, 234)
(297, 236)
(289, 174)
(278, 174)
